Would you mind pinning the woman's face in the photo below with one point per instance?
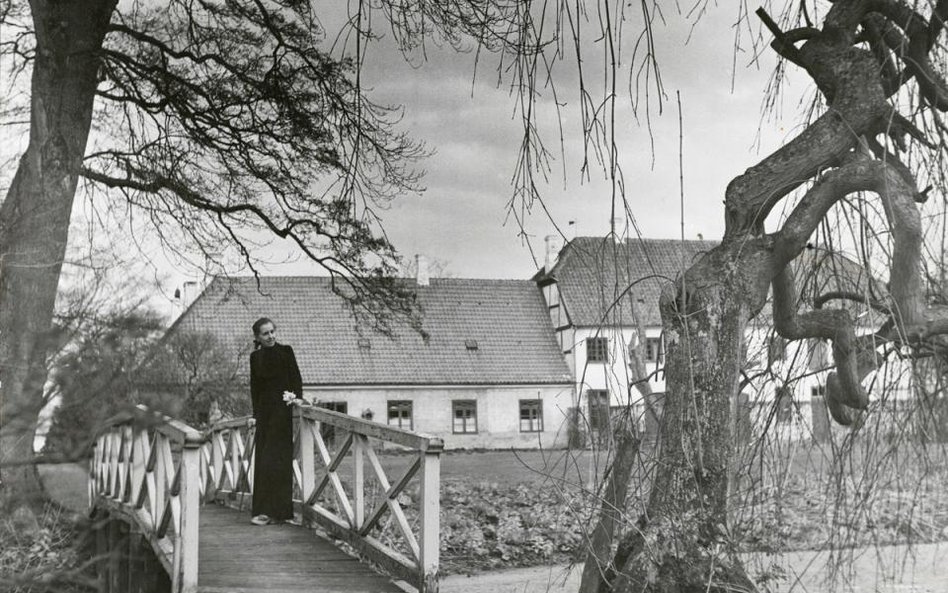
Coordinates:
(267, 335)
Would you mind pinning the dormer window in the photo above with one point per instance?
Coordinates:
(471, 344)
(364, 344)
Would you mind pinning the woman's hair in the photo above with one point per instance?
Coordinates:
(256, 329)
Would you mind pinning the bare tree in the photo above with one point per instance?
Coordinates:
(874, 62)
(220, 118)
(191, 376)
(94, 375)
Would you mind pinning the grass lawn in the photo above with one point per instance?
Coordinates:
(509, 467)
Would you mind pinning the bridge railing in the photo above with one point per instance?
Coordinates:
(392, 521)
(145, 468)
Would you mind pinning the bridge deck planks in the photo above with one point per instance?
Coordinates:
(237, 557)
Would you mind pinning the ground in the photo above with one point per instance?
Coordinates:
(873, 570)
(921, 569)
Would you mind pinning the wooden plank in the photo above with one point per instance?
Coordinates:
(190, 501)
(239, 557)
(332, 477)
(307, 462)
(391, 561)
(430, 522)
(358, 480)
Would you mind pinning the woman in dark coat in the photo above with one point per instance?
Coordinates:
(275, 385)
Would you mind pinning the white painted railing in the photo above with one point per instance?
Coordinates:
(145, 469)
(227, 461)
(333, 489)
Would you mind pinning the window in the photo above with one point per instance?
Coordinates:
(818, 391)
(531, 415)
(464, 413)
(341, 407)
(784, 404)
(776, 349)
(597, 349)
(598, 409)
(328, 431)
(399, 413)
(818, 352)
(653, 350)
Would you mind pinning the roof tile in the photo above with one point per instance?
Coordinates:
(507, 318)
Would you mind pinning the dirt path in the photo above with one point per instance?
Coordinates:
(890, 569)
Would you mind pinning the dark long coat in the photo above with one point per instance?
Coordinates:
(273, 370)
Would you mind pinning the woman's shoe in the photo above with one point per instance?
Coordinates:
(261, 520)
(293, 521)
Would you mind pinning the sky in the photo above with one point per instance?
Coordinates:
(470, 124)
(472, 127)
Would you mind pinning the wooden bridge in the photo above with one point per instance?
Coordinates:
(171, 508)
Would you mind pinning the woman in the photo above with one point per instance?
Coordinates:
(275, 385)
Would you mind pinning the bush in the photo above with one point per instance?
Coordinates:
(44, 554)
(486, 525)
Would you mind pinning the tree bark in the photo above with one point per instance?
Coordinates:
(34, 220)
(681, 543)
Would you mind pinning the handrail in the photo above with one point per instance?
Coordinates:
(172, 428)
(381, 432)
(336, 497)
(145, 467)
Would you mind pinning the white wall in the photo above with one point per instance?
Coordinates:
(498, 411)
(613, 375)
(803, 367)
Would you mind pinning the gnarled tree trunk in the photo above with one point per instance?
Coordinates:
(681, 543)
(34, 220)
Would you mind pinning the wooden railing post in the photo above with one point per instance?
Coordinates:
(307, 459)
(139, 459)
(430, 547)
(358, 481)
(215, 467)
(235, 461)
(190, 496)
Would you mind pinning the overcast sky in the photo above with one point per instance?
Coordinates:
(462, 219)
(471, 126)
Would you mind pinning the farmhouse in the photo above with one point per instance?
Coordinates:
(485, 372)
(530, 363)
(598, 291)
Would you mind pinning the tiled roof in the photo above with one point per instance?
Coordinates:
(507, 319)
(594, 273)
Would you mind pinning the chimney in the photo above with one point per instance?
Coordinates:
(421, 270)
(617, 228)
(189, 293)
(553, 245)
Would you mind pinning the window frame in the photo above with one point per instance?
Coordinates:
(463, 404)
(534, 421)
(398, 406)
(659, 350)
(599, 413)
(599, 352)
(783, 412)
